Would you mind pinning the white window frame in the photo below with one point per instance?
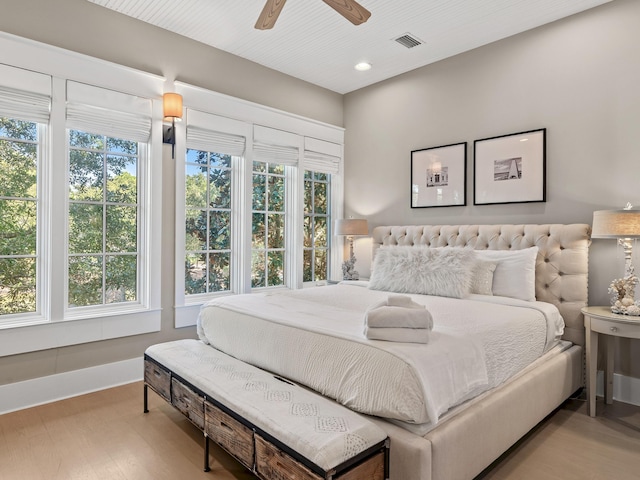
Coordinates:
(113, 105)
(55, 328)
(248, 118)
(330, 220)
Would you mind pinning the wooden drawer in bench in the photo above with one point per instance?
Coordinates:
(229, 433)
(372, 469)
(188, 402)
(271, 462)
(158, 378)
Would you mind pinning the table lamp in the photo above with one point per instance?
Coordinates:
(623, 225)
(351, 227)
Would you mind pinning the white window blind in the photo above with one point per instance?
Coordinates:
(275, 146)
(107, 112)
(24, 95)
(212, 133)
(321, 156)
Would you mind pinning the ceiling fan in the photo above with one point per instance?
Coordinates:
(349, 9)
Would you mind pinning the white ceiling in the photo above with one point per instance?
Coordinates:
(311, 41)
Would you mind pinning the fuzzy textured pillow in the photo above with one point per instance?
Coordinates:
(428, 271)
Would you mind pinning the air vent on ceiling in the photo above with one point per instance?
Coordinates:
(408, 40)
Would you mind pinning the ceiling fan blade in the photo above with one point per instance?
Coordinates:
(269, 14)
(350, 9)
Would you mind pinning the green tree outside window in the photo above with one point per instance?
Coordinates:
(317, 222)
(208, 177)
(19, 142)
(102, 220)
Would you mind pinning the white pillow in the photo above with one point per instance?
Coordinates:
(482, 277)
(427, 271)
(515, 274)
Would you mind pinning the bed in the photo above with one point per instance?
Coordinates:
(495, 363)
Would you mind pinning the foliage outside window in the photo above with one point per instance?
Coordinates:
(268, 225)
(19, 145)
(208, 178)
(103, 244)
(317, 221)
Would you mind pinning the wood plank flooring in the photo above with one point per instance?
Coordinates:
(105, 435)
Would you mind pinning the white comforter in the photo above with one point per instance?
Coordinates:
(315, 337)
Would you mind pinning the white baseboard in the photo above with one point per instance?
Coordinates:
(625, 389)
(38, 391)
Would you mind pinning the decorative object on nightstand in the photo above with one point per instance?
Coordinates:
(623, 225)
(601, 321)
(351, 227)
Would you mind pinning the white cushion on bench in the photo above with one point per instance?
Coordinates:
(314, 426)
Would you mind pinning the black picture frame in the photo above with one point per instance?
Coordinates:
(439, 176)
(510, 168)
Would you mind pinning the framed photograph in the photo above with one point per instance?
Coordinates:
(510, 168)
(439, 176)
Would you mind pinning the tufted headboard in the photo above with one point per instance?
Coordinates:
(561, 266)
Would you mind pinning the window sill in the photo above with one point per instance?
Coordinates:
(187, 315)
(44, 336)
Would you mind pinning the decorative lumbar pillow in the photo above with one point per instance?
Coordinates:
(515, 274)
(482, 277)
(443, 272)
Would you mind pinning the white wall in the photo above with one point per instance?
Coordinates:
(578, 77)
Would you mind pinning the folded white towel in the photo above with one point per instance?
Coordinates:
(403, 301)
(398, 317)
(405, 335)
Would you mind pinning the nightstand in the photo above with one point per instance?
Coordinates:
(601, 321)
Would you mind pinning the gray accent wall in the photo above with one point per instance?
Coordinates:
(579, 78)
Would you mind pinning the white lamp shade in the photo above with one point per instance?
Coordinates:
(616, 224)
(351, 227)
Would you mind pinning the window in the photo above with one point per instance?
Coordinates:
(317, 222)
(103, 240)
(254, 202)
(108, 136)
(19, 219)
(208, 193)
(80, 200)
(210, 182)
(268, 225)
(25, 101)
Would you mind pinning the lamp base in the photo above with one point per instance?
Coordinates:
(622, 292)
(348, 269)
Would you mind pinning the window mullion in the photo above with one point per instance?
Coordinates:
(207, 256)
(57, 174)
(243, 216)
(104, 224)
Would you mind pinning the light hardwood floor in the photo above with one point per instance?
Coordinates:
(105, 435)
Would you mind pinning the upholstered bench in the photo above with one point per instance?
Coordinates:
(273, 427)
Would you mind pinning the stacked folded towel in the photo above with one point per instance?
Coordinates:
(398, 319)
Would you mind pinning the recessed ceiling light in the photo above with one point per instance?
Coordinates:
(524, 139)
(363, 66)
